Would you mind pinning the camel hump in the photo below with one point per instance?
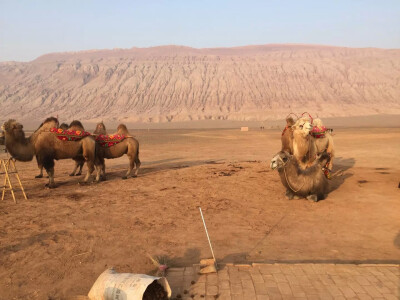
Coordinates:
(51, 119)
(318, 123)
(122, 130)
(76, 125)
(100, 128)
(64, 126)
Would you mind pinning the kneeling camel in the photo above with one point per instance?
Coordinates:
(310, 183)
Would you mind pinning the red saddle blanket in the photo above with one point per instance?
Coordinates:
(69, 135)
(318, 132)
(109, 140)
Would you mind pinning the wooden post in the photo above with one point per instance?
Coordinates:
(8, 166)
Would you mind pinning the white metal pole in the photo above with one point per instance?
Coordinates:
(208, 237)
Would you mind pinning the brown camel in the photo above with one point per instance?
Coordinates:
(310, 183)
(287, 136)
(47, 147)
(129, 146)
(79, 161)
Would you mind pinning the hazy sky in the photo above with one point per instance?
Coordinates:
(29, 29)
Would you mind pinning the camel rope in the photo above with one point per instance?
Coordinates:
(287, 180)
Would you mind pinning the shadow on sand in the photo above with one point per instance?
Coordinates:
(156, 167)
(341, 167)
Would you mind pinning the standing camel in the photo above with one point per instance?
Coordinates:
(111, 148)
(79, 161)
(48, 147)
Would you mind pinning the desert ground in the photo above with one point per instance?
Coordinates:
(55, 244)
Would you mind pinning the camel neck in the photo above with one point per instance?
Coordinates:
(20, 148)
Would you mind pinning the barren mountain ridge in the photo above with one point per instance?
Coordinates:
(176, 83)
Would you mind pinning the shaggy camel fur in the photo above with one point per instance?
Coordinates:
(310, 183)
(47, 147)
(129, 146)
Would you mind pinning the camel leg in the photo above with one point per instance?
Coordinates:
(80, 169)
(130, 168)
(40, 166)
(128, 173)
(90, 166)
(75, 168)
(289, 194)
(98, 173)
(80, 165)
(313, 198)
(40, 172)
(137, 164)
(51, 183)
(103, 171)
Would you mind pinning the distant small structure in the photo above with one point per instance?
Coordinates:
(244, 128)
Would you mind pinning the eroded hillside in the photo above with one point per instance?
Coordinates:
(173, 83)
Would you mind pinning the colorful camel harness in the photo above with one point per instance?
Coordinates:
(69, 135)
(109, 140)
(318, 132)
(76, 135)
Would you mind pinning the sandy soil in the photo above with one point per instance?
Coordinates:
(56, 244)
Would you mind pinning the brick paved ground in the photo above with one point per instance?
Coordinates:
(287, 281)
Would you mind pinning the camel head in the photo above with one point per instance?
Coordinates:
(100, 128)
(15, 129)
(302, 126)
(280, 160)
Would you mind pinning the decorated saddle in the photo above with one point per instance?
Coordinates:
(69, 135)
(109, 140)
(318, 131)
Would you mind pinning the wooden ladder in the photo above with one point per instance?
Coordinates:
(7, 167)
